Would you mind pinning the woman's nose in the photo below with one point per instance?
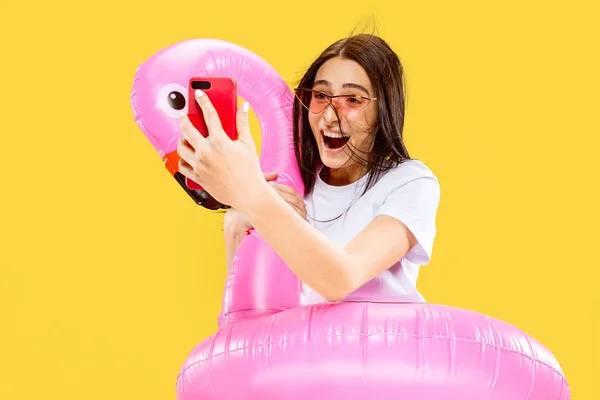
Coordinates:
(330, 114)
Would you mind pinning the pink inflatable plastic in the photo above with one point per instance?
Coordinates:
(267, 345)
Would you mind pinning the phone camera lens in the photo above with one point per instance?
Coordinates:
(202, 85)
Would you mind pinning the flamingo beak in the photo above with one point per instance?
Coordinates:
(200, 196)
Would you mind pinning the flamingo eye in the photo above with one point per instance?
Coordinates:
(172, 99)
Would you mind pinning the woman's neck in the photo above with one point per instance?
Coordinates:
(343, 176)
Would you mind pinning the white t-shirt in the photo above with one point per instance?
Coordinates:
(410, 192)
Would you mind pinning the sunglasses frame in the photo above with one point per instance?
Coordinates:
(331, 97)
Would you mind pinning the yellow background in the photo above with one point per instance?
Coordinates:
(110, 274)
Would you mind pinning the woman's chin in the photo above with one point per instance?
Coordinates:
(334, 160)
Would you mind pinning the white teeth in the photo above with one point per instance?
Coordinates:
(332, 134)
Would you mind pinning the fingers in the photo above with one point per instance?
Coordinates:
(189, 132)
(270, 176)
(299, 209)
(285, 189)
(186, 152)
(292, 201)
(243, 126)
(185, 169)
(211, 118)
(291, 197)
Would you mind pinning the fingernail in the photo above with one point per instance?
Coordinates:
(245, 106)
(181, 115)
(199, 93)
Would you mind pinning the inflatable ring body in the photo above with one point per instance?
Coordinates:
(363, 350)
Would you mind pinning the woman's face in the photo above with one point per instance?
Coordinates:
(357, 117)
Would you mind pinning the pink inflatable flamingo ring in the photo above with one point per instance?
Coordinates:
(269, 346)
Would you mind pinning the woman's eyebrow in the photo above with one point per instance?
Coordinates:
(345, 85)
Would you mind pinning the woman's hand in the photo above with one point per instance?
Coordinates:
(288, 194)
(236, 222)
(227, 169)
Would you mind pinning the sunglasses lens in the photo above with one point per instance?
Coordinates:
(316, 102)
(312, 101)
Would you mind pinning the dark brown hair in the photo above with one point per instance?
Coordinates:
(386, 74)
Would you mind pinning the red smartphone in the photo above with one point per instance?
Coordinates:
(222, 92)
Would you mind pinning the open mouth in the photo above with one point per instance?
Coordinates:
(333, 140)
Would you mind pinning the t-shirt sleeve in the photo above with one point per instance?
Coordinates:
(415, 204)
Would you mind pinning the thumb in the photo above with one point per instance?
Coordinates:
(243, 126)
(270, 176)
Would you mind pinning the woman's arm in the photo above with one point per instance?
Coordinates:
(224, 167)
(329, 269)
(233, 231)
(236, 224)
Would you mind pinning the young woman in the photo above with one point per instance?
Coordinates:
(366, 221)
